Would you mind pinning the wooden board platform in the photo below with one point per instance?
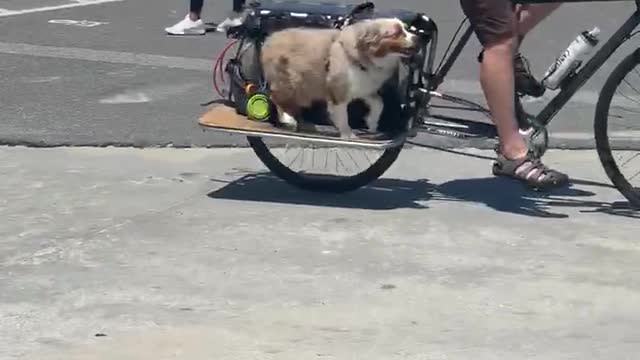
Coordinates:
(226, 119)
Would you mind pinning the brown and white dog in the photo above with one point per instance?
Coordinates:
(305, 65)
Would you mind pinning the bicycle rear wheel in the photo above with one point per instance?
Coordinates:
(617, 143)
(322, 168)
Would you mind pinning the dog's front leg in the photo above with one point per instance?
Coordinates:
(375, 104)
(340, 118)
(286, 119)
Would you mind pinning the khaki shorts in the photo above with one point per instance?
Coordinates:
(493, 20)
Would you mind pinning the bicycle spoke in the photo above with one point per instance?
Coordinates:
(367, 157)
(304, 151)
(326, 160)
(313, 159)
(350, 156)
(622, 108)
(630, 99)
(631, 86)
(340, 161)
(637, 73)
(293, 161)
(631, 159)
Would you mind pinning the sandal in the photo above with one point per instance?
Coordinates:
(529, 170)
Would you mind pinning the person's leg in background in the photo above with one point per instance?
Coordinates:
(234, 18)
(192, 23)
(195, 9)
(495, 24)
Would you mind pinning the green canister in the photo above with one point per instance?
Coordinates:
(258, 107)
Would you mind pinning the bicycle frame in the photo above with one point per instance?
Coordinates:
(570, 85)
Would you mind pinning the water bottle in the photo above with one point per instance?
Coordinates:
(571, 58)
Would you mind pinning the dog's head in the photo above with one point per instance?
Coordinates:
(384, 38)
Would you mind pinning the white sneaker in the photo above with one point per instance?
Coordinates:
(187, 27)
(231, 21)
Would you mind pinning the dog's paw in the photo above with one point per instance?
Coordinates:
(372, 124)
(288, 122)
(348, 136)
(287, 119)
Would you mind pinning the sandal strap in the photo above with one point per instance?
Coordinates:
(529, 169)
(532, 170)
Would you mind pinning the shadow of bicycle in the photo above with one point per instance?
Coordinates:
(499, 194)
(384, 194)
(509, 196)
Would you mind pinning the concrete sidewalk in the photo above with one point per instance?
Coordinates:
(200, 254)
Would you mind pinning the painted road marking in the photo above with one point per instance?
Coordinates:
(76, 3)
(136, 98)
(107, 56)
(81, 23)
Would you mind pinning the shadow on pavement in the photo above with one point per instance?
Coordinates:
(500, 194)
(506, 195)
(510, 196)
(618, 208)
(384, 194)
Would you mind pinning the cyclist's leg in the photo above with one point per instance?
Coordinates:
(528, 17)
(495, 25)
(531, 15)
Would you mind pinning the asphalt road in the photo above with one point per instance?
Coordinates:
(120, 80)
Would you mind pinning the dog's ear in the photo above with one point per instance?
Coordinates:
(368, 35)
(395, 31)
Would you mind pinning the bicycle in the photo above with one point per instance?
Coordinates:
(416, 89)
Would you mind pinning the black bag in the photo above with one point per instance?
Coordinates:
(269, 16)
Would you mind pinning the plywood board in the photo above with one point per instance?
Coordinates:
(225, 118)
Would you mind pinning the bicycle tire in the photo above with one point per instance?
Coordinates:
(601, 122)
(324, 183)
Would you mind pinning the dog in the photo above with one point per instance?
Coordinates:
(306, 65)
